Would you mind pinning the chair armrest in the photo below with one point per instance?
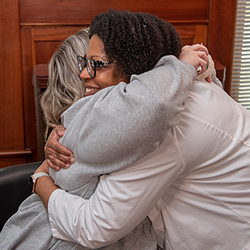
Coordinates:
(15, 186)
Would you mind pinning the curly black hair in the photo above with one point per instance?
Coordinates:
(135, 40)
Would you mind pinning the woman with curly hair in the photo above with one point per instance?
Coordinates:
(137, 41)
(30, 225)
(195, 186)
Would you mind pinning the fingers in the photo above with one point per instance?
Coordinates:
(57, 164)
(194, 57)
(53, 145)
(59, 130)
(51, 165)
(55, 148)
(199, 47)
(208, 72)
(203, 62)
(198, 56)
(209, 79)
(203, 57)
(57, 156)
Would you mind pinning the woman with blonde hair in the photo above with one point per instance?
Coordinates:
(65, 86)
(29, 228)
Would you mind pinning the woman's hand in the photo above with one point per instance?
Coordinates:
(196, 55)
(56, 155)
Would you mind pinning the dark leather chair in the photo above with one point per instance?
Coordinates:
(15, 186)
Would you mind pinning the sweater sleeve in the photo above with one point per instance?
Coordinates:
(123, 123)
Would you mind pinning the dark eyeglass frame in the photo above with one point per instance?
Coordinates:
(83, 62)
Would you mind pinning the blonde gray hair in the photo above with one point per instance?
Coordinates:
(64, 84)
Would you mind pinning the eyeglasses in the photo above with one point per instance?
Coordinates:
(91, 65)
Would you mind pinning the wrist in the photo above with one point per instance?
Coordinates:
(35, 177)
(45, 186)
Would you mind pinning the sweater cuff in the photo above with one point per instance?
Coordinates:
(192, 69)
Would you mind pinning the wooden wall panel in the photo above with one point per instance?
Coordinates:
(82, 12)
(221, 34)
(31, 30)
(11, 96)
(192, 34)
(28, 94)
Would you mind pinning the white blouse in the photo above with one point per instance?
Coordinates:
(195, 186)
